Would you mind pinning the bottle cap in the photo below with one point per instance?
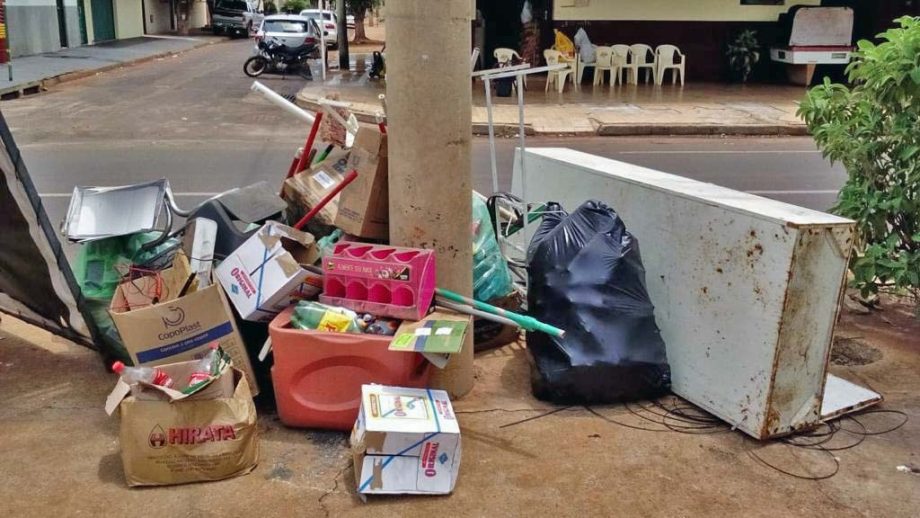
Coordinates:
(118, 367)
(214, 345)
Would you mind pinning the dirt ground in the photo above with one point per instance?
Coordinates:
(61, 454)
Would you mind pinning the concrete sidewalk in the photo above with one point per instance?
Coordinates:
(695, 109)
(34, 73)
(61, 454)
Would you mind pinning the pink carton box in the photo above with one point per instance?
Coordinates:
(381, 280)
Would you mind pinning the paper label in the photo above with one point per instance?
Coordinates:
(335, 322)
(323, 179)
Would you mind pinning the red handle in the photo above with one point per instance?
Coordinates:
(350, 177)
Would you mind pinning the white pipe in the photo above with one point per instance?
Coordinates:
(283, 103)
(488, 84)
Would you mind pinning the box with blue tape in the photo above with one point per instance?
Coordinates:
(405, 441)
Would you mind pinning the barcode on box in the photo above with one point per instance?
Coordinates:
(323, 179)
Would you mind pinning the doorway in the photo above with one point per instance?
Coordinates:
(103, 20)
(62, 23)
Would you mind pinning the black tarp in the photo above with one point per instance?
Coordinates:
(36, 282)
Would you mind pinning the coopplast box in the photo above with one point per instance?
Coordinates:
(405, 441)
(263, 276)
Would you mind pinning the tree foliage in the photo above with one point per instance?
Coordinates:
(873, 129)
(294, 6)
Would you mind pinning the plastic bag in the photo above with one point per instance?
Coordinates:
(526, 13)
(491, 277)
(586, 277)
(585, 49)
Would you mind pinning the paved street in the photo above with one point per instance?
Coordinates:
(193, 119)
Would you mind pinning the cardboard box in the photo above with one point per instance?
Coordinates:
(304, 190)
(263, 276)
(172, 438)
(405, 441)
(364, 206)
(177, 329)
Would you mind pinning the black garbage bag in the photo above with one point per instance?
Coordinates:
(586, 277)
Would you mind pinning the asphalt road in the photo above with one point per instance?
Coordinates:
(193, 120)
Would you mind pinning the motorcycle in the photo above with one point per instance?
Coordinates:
(273, 56)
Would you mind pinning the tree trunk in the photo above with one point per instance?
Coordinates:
(182, 21)
(360, 35)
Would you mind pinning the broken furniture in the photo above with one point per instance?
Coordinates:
(745, 289)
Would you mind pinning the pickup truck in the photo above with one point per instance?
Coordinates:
(236, 17)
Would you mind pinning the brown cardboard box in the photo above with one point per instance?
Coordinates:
(304, 190)
(364, 205)
(172, 438)
(177, 329)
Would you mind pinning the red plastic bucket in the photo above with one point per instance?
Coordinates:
(317, 376)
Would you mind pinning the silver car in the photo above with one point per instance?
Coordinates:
(289, 29)
(329, 21)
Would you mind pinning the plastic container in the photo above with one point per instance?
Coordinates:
(317, 376)
(381, 280)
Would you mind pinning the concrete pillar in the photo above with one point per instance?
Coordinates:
(429, 109)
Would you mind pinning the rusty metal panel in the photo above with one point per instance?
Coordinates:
(745, 289)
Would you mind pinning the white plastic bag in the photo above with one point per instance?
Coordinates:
(526, 13)
(585, 49)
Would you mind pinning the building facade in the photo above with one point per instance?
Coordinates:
(38, 26)
(702, 29)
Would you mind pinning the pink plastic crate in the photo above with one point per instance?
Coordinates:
(381, 280)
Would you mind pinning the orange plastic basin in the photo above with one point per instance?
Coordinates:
(317, 376)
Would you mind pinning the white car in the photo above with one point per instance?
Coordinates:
(289, 29)
(328, 21)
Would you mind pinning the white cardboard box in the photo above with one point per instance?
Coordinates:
(405, 441)
(263, 276)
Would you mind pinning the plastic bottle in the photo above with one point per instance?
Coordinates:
(320, 317)
(135, 375)
(203, 371)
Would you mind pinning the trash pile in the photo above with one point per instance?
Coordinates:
(298, 296)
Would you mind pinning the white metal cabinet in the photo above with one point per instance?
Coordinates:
(746, 289)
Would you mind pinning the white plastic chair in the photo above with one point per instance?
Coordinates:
(505, 56)
(618, 61)
(556, 77)
(665, 59)
(638, 60)
(603, 64)
(580, 65)
(474, 57)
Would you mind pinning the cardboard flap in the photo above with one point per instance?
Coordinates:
(436, 336)
(179, 370)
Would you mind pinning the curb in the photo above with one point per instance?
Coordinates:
(40, 85)
(504, 130)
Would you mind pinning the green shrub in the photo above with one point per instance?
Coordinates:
(294, 6)
(873, 129)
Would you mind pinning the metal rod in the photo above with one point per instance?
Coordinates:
(282, 103)
(511, 72)
(493, 71)
(488, 84)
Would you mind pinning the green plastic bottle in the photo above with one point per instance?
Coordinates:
(320, 317)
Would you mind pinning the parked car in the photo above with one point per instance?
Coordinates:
(284, 42)
(329, 22)
(291, 30)
(350, 21)
(238, 17)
